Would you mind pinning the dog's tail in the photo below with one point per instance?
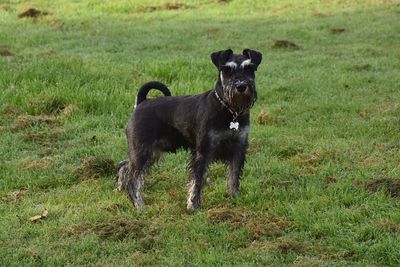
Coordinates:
(144, 90)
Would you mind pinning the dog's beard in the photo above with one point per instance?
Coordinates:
(239, 102)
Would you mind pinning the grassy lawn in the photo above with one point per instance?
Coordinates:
(321, 186)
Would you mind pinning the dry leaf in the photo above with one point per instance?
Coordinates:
(39, 217)
(45, 212)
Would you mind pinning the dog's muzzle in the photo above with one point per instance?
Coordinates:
(242, 86)
(242, 96)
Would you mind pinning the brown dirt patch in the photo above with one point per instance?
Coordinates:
(47, 53)
(390, 226)
(227, 215)
(95, 167)
(286, 245)
(34, 255)
(289, 151)
(311, 159)
(264, 117)
(25, 121)
(212, 32)
(15, 197)
(255, 147)
(5, 7)
(364, 115)
(113, 207)
(43, 138)
(337, 30)
(257, 225)
(284, 44)
(32, 13)
(362, 67)
(330, 180)
(321, 15)
(69, 109)
(390, 186)
(166, 6)
(120, 229)
(5, 53)
(265, 226)
(10, 111)
(41, 164)
(47, 105)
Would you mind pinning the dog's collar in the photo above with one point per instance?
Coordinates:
(234, 125)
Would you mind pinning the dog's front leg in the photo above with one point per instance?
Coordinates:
(197, 176)
(235, 167)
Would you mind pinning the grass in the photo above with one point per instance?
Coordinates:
(321, 180)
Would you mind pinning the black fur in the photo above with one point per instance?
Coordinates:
(144, 90)
(200, 123)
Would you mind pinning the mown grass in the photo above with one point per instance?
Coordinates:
(321, 183)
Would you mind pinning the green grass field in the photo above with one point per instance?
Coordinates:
(321, 186)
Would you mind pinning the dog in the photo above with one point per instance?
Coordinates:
(214, 126)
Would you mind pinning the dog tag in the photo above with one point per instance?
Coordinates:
(234, 125)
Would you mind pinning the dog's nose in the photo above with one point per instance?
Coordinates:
(241, 86)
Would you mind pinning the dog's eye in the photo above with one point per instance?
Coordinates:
(227, 69)
(249, 67)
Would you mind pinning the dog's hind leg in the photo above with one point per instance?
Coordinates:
(197, 177)
(138, 168)
(121, 175)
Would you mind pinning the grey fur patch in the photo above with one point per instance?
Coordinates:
(245, 63)
(231, 64)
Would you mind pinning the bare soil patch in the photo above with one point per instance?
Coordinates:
(6, 53)
(120, 229)
(166, 6)
(95, 167)
(32, 13)
(362, 67)
(337, 30)
(390, 186)
(15, 196)
(257, 225)
(284, 44)
(287, 245)
(264, 117)
(25, 121)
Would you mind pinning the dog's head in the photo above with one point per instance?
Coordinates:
(236, 76)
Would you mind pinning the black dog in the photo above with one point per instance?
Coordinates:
(213, 125)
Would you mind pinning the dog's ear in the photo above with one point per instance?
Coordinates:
(221, 57)
(254, 56)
